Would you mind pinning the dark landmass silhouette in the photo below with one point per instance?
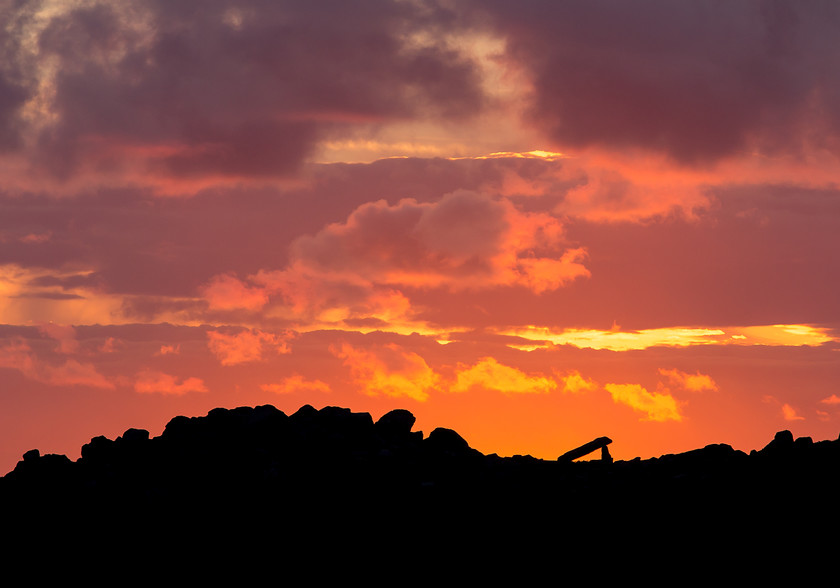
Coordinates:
(332, 483)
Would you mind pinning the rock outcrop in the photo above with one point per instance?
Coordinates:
(337, 481)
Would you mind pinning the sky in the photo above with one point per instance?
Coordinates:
(533, 222)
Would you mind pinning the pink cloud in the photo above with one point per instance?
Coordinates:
(296, 383)
(692, 382)
(226, 292)
(65, 335)
(19, 356)
(169, 350)
(110, 345)
(74, 373)
(464, 241)
(36, 237)
(155, 382)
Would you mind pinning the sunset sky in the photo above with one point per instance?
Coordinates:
(533, 222)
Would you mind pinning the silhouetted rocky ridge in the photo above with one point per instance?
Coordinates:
(332, 476)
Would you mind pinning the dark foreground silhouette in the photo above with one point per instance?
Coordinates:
(322, 484)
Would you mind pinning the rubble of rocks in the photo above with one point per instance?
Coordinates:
(331, 476)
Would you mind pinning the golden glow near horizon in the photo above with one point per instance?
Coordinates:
(616, 340)
(533, 154)
(353, 151)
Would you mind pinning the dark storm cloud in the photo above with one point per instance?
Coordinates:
(243, 89)
(16, 82)
(696, 80)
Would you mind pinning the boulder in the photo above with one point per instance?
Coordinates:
(395, 425)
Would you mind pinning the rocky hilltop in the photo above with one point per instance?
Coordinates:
(329, 477)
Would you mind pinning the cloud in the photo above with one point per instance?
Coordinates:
(491, 375)
(790, 413)
(367, 269)
(833, 399)
(36, 237)
(73, 373)
(203, 89)
(65, 335)
(245, 346)
(657, 406)
(623, 340)
(296, 383)
(695, 81)
(19, 356)
(317, 298)
(109, 345)
(574, 383)
(604, 188)
(226, 292)
(110, 250)
(168, 350)
(388, 370)
(155, 382)
(464, 241)
(16, 84)
(692, 382)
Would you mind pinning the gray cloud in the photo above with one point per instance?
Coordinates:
(198, 88)
(695, 80)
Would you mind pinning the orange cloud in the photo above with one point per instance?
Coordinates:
(491, 375)
(154, 382)
(389, 370)
(575, 383)
(244, 346)
(657, 406)
(833, 399)
(296, 383)
(543, 274)
(790, 413)
(632, 188)
(693, 382)
(226, 292)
